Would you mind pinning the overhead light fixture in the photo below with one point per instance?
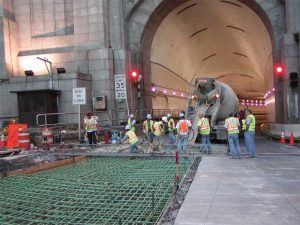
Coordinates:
(61, 70)
(29, 73)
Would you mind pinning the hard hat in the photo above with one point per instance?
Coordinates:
(169, 115)
(164, 118)
(127, 127)
(131, 116)
(181, 115)
(149, 116)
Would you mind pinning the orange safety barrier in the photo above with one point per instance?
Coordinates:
(2, 141)
(13, 134)
(282, 139)
(47, 135)
(24, 139)
(292, 141)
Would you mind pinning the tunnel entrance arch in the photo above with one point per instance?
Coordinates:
(164, 42)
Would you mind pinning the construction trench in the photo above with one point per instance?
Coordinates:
(95, 187)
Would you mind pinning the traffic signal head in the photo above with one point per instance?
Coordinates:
(293, 80)
(134, 74)
(279, 71)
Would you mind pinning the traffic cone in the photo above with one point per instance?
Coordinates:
(292, 142)
(282, 140)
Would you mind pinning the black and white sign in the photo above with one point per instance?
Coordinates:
(120, 86)
(79, 96)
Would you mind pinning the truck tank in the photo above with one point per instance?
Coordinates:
(214, 99)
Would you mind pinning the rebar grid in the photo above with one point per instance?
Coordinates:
(97, 191)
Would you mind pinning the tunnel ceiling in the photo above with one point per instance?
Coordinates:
(225, 40)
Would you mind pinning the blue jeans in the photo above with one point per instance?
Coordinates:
(205, 142)
(182, 142)
(249, 140)
(172, 138)
(149, 136)
(234, 145)
(133, 148)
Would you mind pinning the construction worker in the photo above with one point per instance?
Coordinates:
(232, 124)
(204, 130)
(91, 128)
(182, 127)
(148, 128)
(250, 133)
(171, 129)
(158, 128)
(131, 122)
(132, 139)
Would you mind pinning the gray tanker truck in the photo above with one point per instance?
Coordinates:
(216, 101)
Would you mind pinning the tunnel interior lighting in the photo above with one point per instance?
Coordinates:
(165, 91)
(153, 89)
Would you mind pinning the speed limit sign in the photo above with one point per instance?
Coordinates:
(120, 86)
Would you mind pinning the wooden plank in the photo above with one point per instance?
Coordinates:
(45, 166)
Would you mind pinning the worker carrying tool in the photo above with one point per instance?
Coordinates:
(132, 139)
(148, 128)
(183, 126)
(132, 122)
(171, 129)
(204, 130)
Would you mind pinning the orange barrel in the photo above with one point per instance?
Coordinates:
(47, 135)
(24, 139)
(2, 141)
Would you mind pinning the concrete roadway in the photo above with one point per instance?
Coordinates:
(260, 191)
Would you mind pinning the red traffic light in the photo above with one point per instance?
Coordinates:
(134, 74)
(279, 71)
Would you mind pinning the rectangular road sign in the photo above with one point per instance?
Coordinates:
(79, 96)
(120, 86)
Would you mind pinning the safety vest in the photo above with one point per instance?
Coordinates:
(183, 127)
(132, 138)
(252, 124)
(232, 125)
(91, 124)
(243, 125)
(171, 125)
(132, 125)
(157, 128)
(145, 126)
(204, 126)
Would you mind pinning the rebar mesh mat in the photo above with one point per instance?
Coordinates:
(96, 191)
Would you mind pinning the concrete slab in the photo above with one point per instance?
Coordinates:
(260, 191)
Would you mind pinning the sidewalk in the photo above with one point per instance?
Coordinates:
(260, 191)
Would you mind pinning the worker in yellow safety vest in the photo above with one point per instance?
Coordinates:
(91, 128)
(171, 129)
(250, 133)
(232, 124)
(131, 122)
(158, 128)
(183, 126)
(148, 128)
(132, 139)
(204, 130)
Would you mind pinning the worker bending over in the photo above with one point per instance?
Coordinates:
(132, 139)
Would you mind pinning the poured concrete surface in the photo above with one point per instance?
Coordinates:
(260, 191)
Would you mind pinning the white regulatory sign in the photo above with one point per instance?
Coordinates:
(120, 86)
(79, 96)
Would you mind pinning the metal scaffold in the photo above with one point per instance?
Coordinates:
(97, 191)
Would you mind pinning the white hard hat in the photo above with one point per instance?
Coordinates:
(149, 116)
(169, 115)
(127, 127)
(181, 115)
(131, 116)
(164, 118)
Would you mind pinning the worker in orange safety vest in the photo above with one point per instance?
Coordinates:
(183, 126)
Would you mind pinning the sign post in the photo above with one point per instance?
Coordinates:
(120, 89)
(79, 98)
